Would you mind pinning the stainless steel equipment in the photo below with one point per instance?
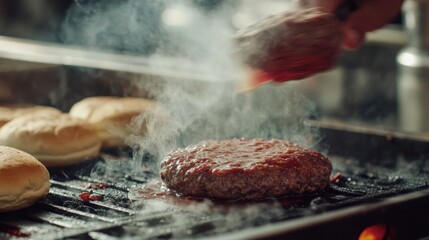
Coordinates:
(413, 61)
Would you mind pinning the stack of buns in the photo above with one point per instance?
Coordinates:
(35, 137)
(111, 116)
(59, 139)
(23, 179)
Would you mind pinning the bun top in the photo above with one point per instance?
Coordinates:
(110, 109)
(111, 116)
(9, 112)
(23, 179)
(49, 134)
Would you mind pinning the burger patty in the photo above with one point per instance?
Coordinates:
(291, 45)
(245, 169)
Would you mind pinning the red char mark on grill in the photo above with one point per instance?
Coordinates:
(338, 177)
(86, 197)
(14, 231)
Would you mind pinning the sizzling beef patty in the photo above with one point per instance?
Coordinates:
(291, 45)
(245, 169)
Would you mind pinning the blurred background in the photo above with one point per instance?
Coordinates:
(363, 88)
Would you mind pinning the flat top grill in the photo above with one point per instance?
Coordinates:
(64, 215)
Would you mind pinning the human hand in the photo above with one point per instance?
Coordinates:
(371, 15)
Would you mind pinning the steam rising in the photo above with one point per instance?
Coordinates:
(188, 111)
(187, 117)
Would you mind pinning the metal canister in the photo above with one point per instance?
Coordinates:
(413, 69)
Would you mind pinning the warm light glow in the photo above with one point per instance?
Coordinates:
(378, 232)
(368, 236)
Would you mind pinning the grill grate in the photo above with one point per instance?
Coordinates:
(63, 215)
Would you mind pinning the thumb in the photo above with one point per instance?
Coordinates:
(352, 38)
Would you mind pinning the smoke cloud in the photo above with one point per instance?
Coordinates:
(198, 37)
(188, 111)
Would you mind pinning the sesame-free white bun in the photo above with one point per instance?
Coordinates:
(55, 140)
(9, 112)
(23, 179)
(111, 116)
